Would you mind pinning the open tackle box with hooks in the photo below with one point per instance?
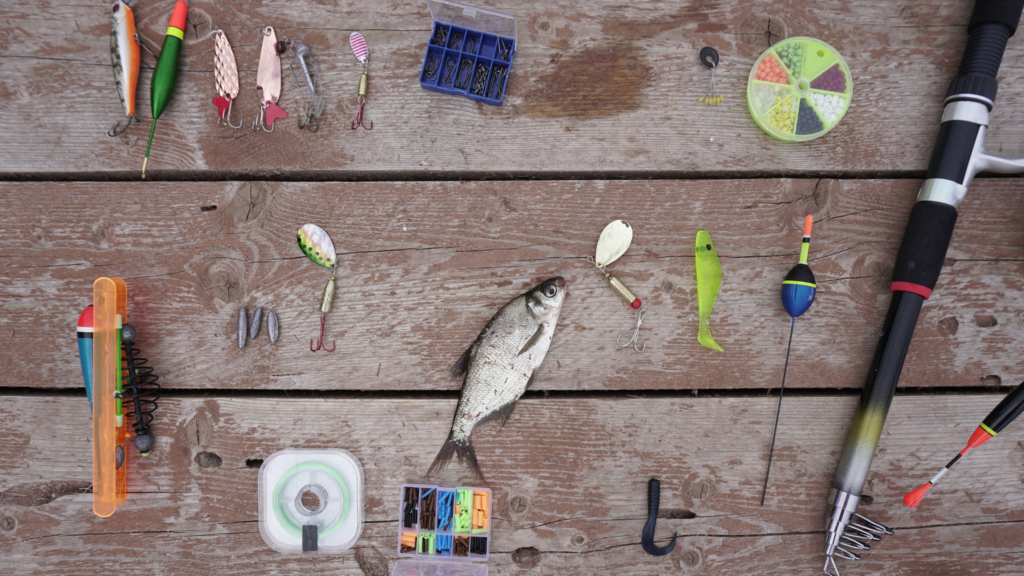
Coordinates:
(444, 529)
(470, 51)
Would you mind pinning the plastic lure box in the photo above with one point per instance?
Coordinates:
(470, 52)
(444, 524)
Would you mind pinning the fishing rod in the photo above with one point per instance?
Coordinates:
(999, 418)
(958, 156)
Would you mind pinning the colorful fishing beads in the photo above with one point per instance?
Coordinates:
(783, 116)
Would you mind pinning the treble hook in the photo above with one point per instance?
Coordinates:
(259, 121)
(636, 334)
(320, 342)
(225, 119)
(118, 130)
(358, 123)
(653, 502)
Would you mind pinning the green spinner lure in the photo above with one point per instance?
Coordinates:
(316, 244)
(709, 280)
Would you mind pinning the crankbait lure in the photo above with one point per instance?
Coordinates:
(709, 58)
(225, 73)
(166, 72)
(709, 280)
(268, 81)
(317, 246)
(124, 57)
(362, 53)
(315, 100)
(615, 239)
(798, 290)
(999, 418)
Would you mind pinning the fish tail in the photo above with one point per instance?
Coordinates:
(462, 449)
(704, 337)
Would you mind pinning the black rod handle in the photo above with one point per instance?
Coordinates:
(992, 24)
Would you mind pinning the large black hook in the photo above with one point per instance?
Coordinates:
(653, 502)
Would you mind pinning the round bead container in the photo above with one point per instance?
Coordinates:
(799, 89)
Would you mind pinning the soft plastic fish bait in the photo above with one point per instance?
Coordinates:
(709, 280)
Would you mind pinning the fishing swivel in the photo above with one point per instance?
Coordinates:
(362, 53)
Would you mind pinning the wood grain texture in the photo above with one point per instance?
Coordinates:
(577, 470)
(425, 265)
(600, 87)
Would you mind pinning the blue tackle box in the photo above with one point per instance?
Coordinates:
(470, 51)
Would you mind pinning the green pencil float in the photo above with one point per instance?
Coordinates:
(166, 72)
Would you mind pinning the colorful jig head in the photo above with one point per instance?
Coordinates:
(268, 81)
(124, 57)
(315, 100)
(614, 241)
(166, 72)
(709, 58)
(225, 73)
(362, 53)
(798, 290)
(317, 245)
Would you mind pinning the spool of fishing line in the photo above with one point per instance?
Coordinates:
(311, 501)
(799, 89)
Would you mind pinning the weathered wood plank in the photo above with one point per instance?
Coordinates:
(600, 87)
(425, 265)
(580, 465)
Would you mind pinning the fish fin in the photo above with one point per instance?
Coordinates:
(452, 448)
(462, 364)
(505, 412)
(533, 340)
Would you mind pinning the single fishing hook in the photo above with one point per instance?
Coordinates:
(635, 340)
(358, 123)
(320, 342)
(119, 130)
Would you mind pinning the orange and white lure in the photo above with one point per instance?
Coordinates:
(125, 58)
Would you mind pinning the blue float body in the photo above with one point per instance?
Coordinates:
(85, 355)
(797, 298)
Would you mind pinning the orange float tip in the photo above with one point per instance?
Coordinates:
(180, 15)
(979, 437)
(913, 498)
(808, 222)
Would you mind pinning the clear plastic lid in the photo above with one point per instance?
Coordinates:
(311, 498)
(433, 568)
(473, 18)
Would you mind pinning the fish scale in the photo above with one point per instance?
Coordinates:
(498, 366)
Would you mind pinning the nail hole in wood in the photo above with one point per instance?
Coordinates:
(254, 463)
(207, 208)
(208, 460)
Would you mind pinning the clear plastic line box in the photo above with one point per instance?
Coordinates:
(470, 52)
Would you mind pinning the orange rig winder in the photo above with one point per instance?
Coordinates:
(120, 387)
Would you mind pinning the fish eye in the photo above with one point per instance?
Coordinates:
(550, 291)
(708, 247)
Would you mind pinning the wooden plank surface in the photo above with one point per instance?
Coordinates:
(608, 87)
(578, 466)
(425, 265)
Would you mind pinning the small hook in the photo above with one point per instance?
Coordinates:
(320, 342)
(224, 115)
(119, 130)
(635, 341)
(259, 121)
(653, 502)
(358, 123)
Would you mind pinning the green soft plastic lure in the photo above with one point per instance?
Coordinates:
(709, 280)
(165, 75)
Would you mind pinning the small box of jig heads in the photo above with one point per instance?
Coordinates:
(470, 51)
(445, 524)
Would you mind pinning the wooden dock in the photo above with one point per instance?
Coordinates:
(449, 208)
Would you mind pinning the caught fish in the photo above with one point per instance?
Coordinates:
(125, 59)
(709, 280)
(499, 366)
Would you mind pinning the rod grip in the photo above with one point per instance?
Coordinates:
(924, 246)
(993, 22)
